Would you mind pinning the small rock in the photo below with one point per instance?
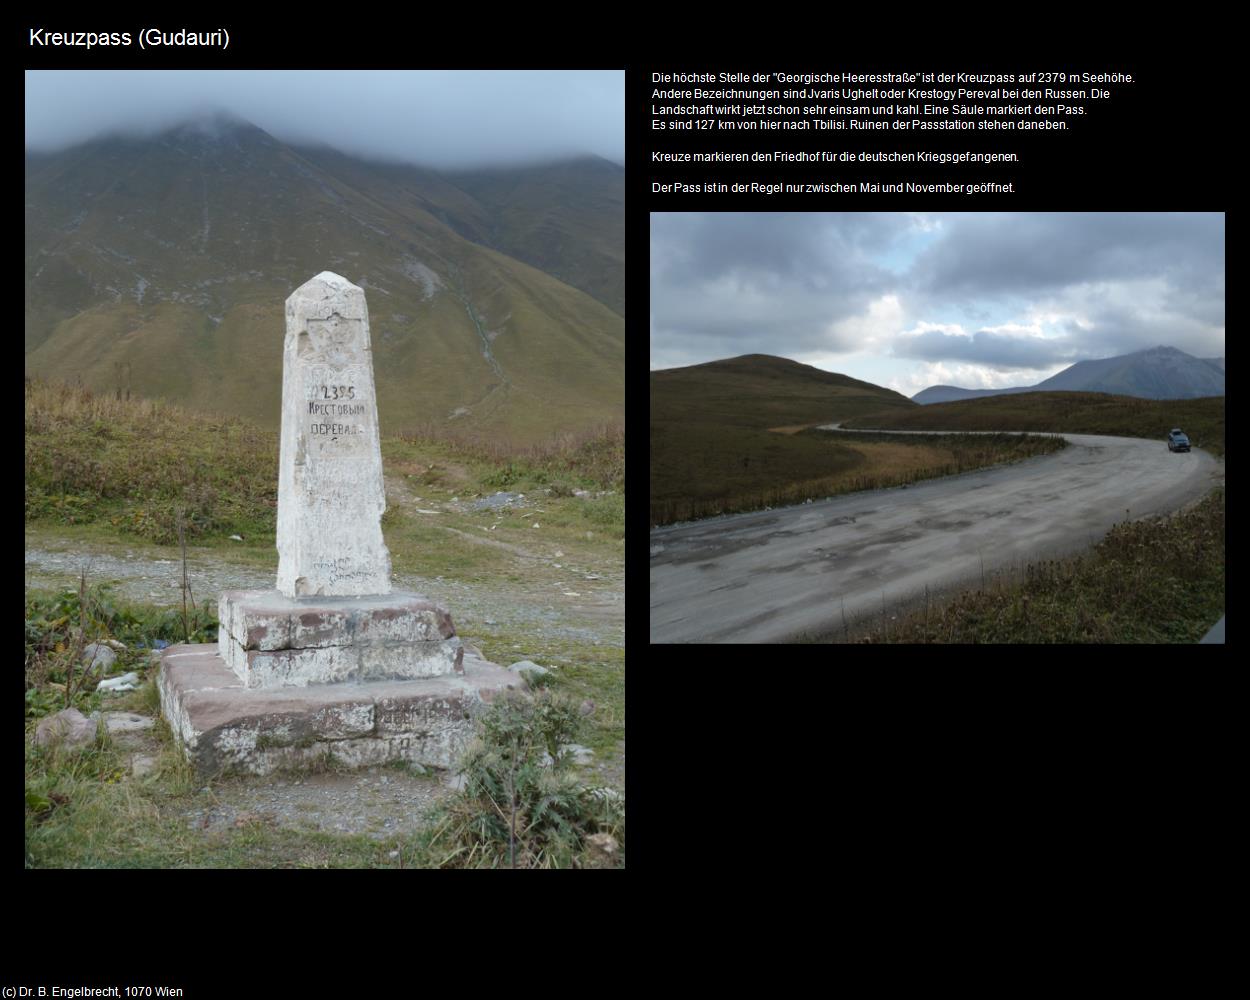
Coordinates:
(69, 727)
(114, 644)
(142, 764)
(236, 538)
(98, 656)
(455, 782)
(393, 854)
(491, 621)
(535, 524)
(115, 685)
(559, 554)
(528, 666)
(127, 722)
(579, 753)
(587, 707)
(604, 842)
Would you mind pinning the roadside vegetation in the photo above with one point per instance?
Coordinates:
(724, 472)
(1158, 580)
(1073, 412)
(141, 467)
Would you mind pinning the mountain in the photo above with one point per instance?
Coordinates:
(1155, 373)
(761, 391)
(162, 264)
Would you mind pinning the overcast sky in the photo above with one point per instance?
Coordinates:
(910, 300)
(439, 118)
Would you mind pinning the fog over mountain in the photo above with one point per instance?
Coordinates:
(159, 264)
(441, 118)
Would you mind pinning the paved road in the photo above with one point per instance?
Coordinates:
(773, 575)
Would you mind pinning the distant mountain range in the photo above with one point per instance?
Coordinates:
(1155, 373)
(161, 265)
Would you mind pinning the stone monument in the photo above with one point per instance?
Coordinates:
(331, 661)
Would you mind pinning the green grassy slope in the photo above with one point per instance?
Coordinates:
(1074, 412)
(760, 391)
(567, 219)
(162, 266)
(1160, 580)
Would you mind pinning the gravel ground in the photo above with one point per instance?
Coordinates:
(597, 618)
(377, 802)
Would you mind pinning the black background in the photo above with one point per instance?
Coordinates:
(890, 766)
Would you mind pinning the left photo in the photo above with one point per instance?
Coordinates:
(325, 469)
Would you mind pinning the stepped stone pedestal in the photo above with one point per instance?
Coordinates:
(330, 662)
(225, 726)
(270, 640)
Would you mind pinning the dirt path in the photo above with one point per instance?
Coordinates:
(597, 617)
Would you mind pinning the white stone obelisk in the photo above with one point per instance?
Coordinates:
(330, 490)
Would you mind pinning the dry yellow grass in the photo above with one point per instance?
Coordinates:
(887, 459)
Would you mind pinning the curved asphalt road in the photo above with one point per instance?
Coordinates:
(773, 575)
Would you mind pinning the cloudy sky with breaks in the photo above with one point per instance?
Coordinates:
(910, 300)
(437, 118)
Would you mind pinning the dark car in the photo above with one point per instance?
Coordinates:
(1177, 440)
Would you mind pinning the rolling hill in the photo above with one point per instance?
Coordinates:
(761, 391)
(715, 441)
(161, 265)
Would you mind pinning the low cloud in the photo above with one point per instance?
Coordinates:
(440, 118)
(988, 348)
(990, 296)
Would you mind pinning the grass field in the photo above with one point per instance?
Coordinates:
(137, 467)
(1154, 581)
(1073, 412)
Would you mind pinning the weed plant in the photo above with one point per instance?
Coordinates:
(521, 806)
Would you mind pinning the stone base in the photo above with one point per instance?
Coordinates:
(223, 726)
(270, 640)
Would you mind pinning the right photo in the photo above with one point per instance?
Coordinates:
(915, 427)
